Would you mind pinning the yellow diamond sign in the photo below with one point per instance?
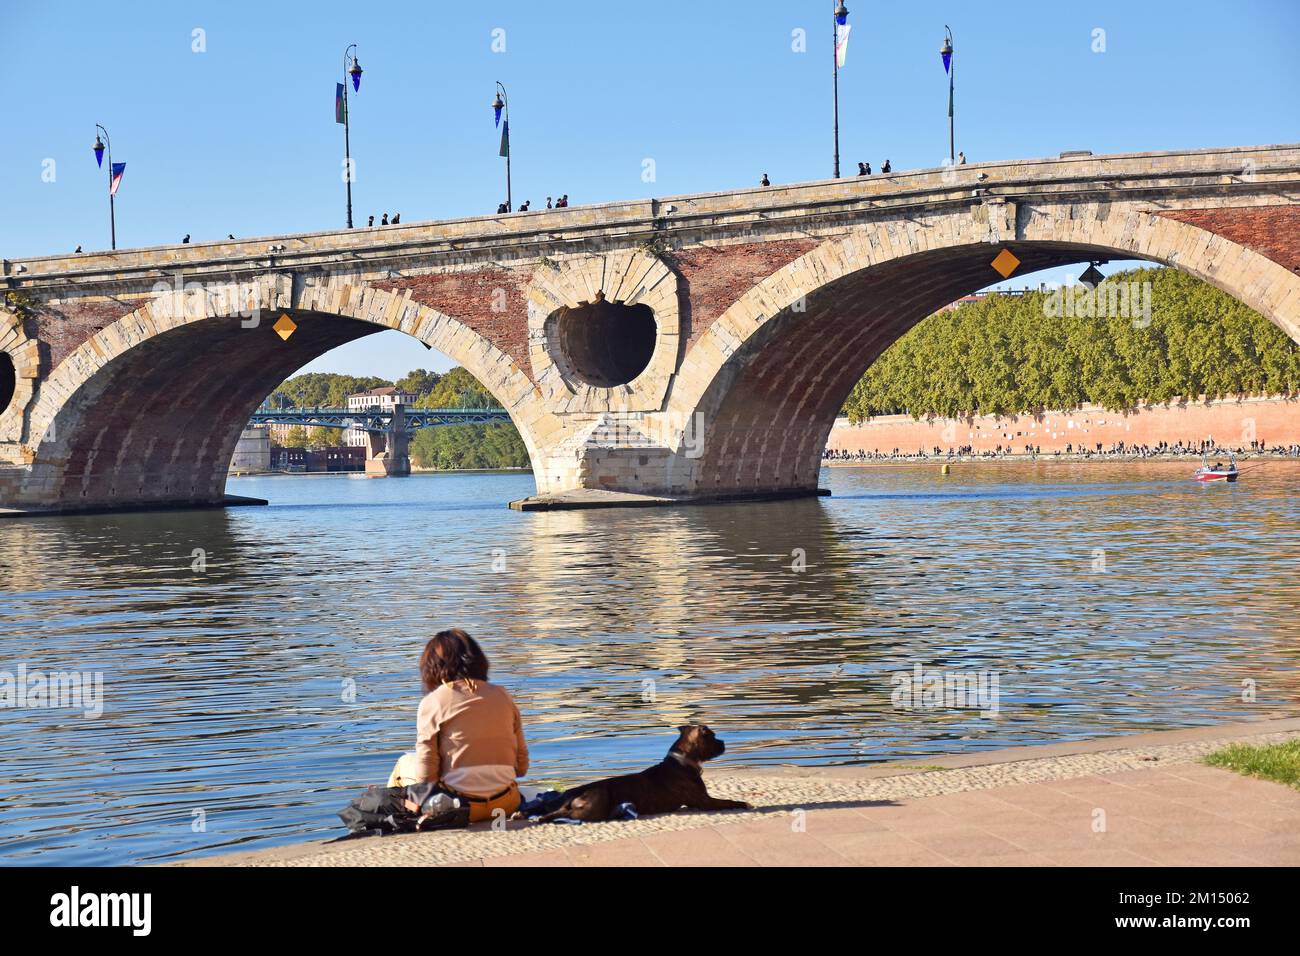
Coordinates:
(285, 326)
(1006, 263)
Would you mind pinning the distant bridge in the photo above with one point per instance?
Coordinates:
(375, 420)
(388, 432)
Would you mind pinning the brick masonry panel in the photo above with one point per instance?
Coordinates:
(716, 278)
(63, 327)
(492, 302)
(1272, 231)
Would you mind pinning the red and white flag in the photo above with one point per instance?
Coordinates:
(118, 170)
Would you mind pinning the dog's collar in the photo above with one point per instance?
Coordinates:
(684, 760)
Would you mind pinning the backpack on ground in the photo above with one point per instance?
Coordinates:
(382, 810)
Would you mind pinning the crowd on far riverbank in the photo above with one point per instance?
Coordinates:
(1120, 451)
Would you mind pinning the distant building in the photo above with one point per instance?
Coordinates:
(327, 459)
(280, 432)
(977, 296)
(383, 399)
(288, 459)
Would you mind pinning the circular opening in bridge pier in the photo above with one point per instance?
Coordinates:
(606, 343)
(8, 380)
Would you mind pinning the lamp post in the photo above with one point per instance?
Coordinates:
(949, 67)
(841, 18)
(502, 105)
(355, 72)
(99, 159)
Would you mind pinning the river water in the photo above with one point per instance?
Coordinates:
(252, 689)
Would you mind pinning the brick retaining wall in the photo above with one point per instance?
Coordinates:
(1275, 421)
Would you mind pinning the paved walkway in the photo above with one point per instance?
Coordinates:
(1188, 816)
(1138, 801)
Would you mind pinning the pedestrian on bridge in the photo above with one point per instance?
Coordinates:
(186, 240)
(371, 221)
(384, 221)
(397, 217)
(886, 168)
(864, 169)
(765, 181)
(961, 159)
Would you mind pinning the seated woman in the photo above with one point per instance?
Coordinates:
(469, 736)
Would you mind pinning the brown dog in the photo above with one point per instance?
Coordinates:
(674, 783)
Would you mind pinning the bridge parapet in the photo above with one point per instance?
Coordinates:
(1190, 176)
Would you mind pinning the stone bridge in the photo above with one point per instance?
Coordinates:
(688, 348)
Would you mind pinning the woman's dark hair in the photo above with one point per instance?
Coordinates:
(452, 655)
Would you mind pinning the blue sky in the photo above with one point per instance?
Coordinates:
(241, 138)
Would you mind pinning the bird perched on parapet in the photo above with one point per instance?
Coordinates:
(186, 239)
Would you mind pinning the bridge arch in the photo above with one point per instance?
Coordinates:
(769, 375)
(150, 408)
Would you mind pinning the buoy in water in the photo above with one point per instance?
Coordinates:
(945, 469)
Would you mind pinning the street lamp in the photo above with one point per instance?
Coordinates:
(949, 67)
(341, 116)
(99, 148)
(500, 105)
(841, 20)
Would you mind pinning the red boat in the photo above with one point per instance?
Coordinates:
(1216, 472)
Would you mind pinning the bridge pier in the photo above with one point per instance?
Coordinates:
(388, 452)
(389, 459)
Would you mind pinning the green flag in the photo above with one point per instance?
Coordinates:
(340, 109)
(505, 139)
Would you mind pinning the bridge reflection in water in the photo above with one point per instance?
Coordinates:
(269, 685)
